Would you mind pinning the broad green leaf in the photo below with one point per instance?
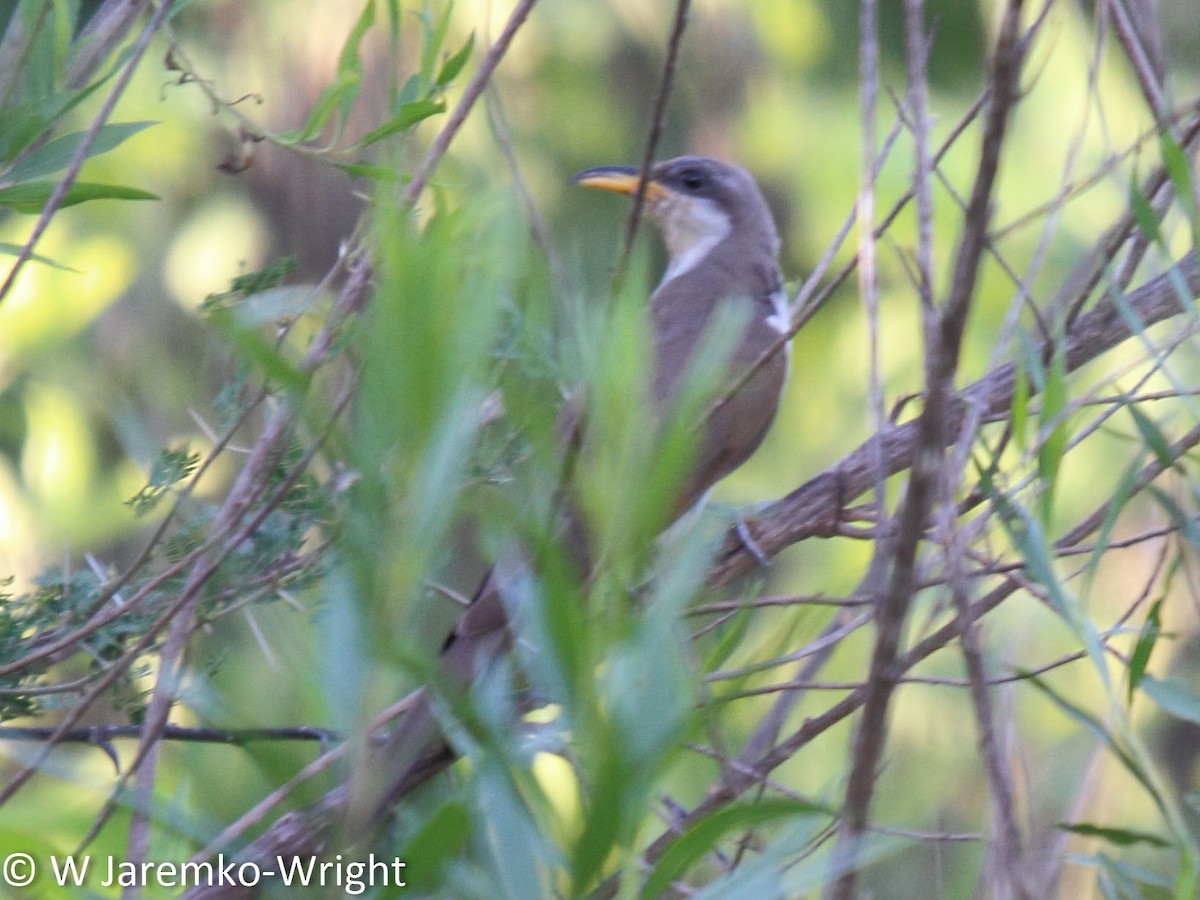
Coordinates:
(32, 196)
(704, 836)
(1147, 638)
(410, 114)
(1173, 695)
(452, 66)
(59, 152)
(1122, 837)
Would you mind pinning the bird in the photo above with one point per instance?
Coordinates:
(722, 248)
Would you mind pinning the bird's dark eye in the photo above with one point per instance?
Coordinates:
(692, 179)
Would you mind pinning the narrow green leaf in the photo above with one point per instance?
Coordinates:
(1098, 728)
(1054, 444)
(1116, 503)
(1030, 538)
(350, 60)
(31, 196)
(24, 122)
(610, 786)
(1179, 170)
(438, 841)
(1187, 525)
(1147, 638)
(1144, 215)
(260, 351)
(7, 249)
(1174, 696)
(702, 837)
(1153, 436)
(434, 40)
(384, 174)
(59, 152)
(343, 92)
(333, 97)
(1020, 405)
(452, 66)
(1122, 837)
(410, 114)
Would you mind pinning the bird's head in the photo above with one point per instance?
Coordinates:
(697, 203)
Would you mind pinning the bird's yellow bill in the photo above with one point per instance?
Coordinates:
(619, 179)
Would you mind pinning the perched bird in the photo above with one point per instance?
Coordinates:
(722, 248)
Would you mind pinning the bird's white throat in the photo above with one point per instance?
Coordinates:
(691, 227)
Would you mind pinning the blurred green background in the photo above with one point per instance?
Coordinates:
(102, 366)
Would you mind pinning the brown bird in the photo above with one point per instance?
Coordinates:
(722, 248)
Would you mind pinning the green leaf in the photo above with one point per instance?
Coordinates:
(1174, 696)
(340, 95)
(1144, 215)
(1116, 503)
(1122, 837)
(1179, 170)
(1189, 529)
(331, 98)
(15, 250)
(703, 836)
(434, 40)
(59, 152)
(1030, 538)
(170, 468)
(410, 114)
(31, 196)
(1098, 728)
(25, 122)
(1147, 638)
(260, 351)
(1153, 436)
(1054, 444)
(383, 174)
(1020, 406)
(452, 66)
(440, 838)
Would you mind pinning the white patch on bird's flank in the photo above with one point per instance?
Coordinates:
(781, 319)
(691, 227)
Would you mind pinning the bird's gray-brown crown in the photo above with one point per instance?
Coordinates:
(698, 203)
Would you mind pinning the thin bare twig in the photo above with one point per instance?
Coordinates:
(666, 86)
